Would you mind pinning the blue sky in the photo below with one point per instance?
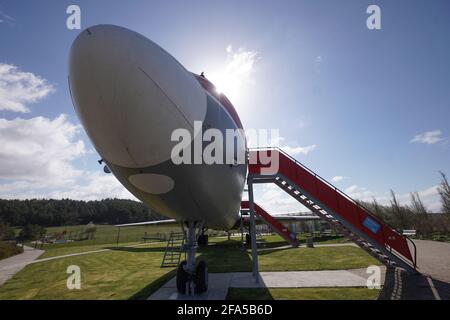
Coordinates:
(369, 108)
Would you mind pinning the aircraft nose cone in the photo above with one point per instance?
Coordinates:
(130, 95)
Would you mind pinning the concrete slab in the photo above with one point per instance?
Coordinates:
(220, 282)
(433, 259)
(10, 266)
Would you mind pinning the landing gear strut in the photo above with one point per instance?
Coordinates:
(192, 279)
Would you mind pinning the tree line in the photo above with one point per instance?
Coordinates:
(415, 215)
(46, 213)
(64, 212)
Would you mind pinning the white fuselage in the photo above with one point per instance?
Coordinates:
(130, 96)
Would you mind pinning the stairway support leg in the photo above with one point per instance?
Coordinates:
(242, 231)
(253, 230)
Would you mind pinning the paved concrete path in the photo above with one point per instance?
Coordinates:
(90, 252)
(433, 258)
(433, 283)
(220, 282)
(10, 266)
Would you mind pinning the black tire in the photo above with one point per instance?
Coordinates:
(248, 239)
(182, 278)
(201, 278)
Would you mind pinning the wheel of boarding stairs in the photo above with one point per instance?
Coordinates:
(182, 278)
(201, 277)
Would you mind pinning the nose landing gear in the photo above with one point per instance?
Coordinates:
(191, 278)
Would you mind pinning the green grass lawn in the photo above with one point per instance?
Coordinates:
(135, 273)
(106, 234)
(122, 273)
(302, 294)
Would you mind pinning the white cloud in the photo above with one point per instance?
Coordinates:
(36, 161)
(6, 18)
(88, 186)
(262, 138)
(94, 186)
(288, 148)
(37, 155)
(429, 196)
(359, 193)
(275, 200)
(39, 150)
(18, 88)
(298, 150)
(429, 137)
(338, 178)
(236, 72)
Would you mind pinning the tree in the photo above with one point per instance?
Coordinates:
(50, 212)
(423, 223)
(400, 214)
(444, 192)
(6, 232)
(31, 232)
(378, 210)
(417, 205)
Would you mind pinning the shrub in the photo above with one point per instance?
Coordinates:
(6, 232)
(31, 232)
(8, 249)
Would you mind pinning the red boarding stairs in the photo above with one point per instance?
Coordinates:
(270, 221)
(342, 212)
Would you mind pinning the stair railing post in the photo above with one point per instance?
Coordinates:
(253, 229)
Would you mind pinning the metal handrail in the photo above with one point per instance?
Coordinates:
(339, 191)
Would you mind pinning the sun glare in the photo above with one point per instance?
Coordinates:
(233, 76)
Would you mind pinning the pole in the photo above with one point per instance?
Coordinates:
(242, 230)
(118, 235)
(253, 230)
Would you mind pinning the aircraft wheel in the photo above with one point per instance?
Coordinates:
(182, 278)
(201, 277)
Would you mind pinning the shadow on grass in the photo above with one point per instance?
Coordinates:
(152, 287)
(136, 249)
(271, 250)
(223, 256)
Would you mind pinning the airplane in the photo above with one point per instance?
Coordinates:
(130, 95)
(132, 98)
